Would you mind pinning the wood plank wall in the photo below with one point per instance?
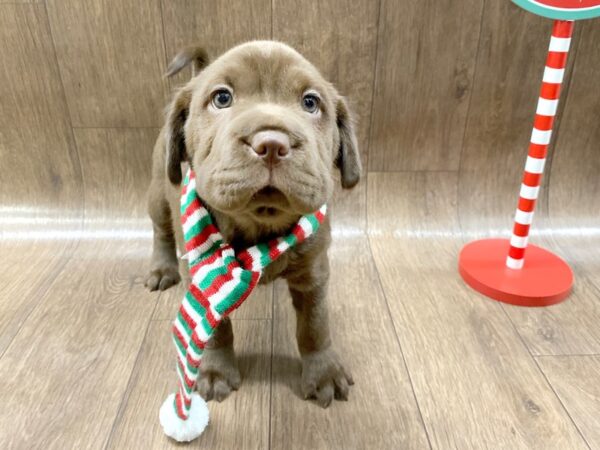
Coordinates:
(436, 86)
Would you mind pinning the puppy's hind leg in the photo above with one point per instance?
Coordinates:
(164, 267)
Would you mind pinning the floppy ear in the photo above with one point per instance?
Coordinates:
(195, 55)
(348, 158)
(178, 111)
(177, 114)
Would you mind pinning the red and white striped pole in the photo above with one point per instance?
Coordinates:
(540, 139)
(497, 267)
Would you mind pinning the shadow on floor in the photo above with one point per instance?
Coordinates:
(285, 370)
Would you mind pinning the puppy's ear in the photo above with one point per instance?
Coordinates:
(177, 114)
(178, 110)
(195, 55)
(348, 158)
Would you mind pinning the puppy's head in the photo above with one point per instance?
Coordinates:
(263, 131)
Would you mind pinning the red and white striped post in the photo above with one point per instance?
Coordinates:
(540, 139)
(498, 267)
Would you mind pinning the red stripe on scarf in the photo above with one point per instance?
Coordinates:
(219, 281)
(199, 343)
(189, 382)
(211, 319)
(199, 296)
(179, 337)
(211, 259)
(201, 238)
(188, 319)
(180, 412)
(190, 209)
(245, 259)
(299, 233)
(203, 301)
(274, 252)
(191, 361)
(244, 296)
(320, 216)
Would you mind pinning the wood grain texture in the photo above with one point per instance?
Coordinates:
(240, 422)
(20, 1)
(20, 293)
(214, 25)
(40, 189)
(41, 175)
(568, 328)
(475, 382)
(30, 86)
(40, 197)
(111, 57)
(72, 358)
(116, 166)
(575, 380)
(347, 210)
(381, 412)
(510, 64)
(575, 181)
(424, 76)
(79, 345)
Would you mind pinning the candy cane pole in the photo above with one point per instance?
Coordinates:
(497, 267)
(540, 139)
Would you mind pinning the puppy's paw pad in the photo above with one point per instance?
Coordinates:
(324, 378)
(162, 278)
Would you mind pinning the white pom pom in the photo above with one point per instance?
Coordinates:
(184, 430)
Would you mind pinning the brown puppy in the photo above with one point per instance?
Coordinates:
(265, 134)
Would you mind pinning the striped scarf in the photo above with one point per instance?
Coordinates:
(221, 281)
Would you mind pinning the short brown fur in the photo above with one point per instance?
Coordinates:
(267, 80)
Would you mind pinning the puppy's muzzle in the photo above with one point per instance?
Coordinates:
(271, 146)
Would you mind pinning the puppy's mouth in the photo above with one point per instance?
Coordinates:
(269, 202)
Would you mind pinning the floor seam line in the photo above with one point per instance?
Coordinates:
(373, 85)
(42, 297)
(128, 387)
(502, 307)
(424, 425)
(269, 442)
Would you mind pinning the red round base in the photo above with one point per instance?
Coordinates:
(545, 278)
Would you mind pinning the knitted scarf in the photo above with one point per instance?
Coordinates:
(221, 281)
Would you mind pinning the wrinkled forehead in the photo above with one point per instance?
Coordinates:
(265, 69)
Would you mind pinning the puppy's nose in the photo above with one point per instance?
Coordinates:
(271, 145)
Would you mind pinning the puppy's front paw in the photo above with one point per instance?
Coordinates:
(162, 278)
(219, 374)
(324, 377)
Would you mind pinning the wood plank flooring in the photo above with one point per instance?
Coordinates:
(436, 365)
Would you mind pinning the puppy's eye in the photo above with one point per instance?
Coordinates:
(222, 98)
(310, 103)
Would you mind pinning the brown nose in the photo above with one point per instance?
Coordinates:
(272, 146)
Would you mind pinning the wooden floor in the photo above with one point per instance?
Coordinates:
(86, 357)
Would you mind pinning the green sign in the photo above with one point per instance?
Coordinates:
(562, 9)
